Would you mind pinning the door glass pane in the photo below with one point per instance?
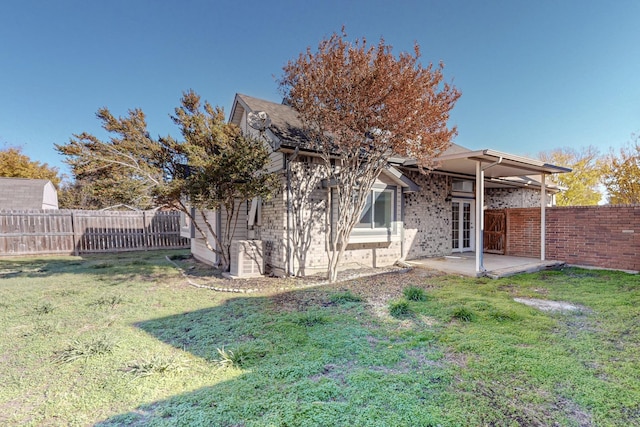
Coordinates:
(455, 225)
(466, 225)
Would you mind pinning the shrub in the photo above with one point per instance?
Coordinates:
(464, 314)
(414, 293)
(311, 319)
(156, 364)
(79, 349)
(232, 359)
(345, 297)
(504, 316)
(400, 309)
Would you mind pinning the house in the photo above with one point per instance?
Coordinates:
(24, 194)
(409, 215)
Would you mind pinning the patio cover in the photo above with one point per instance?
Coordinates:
(494, 168)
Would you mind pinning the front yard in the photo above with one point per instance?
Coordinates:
(126, 340)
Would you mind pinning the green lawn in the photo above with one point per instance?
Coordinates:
(124, 340)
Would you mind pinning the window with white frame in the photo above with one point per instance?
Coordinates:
(378, 210)
(378, 220)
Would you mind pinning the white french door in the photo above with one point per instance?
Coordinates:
(462, 224)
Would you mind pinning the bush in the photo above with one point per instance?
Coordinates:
(310, 319)
(345, 297)
(414, 293)
(155, 364)
(229, 358)
(464, 314)
(83, 350)
(241, 357)
(400, 309)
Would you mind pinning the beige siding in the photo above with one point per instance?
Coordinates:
(198, 245)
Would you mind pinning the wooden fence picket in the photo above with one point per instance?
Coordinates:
(80, 232)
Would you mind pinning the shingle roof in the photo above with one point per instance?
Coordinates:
(286, 125)
(22, 193)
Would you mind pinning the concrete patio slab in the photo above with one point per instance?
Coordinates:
(496, 266)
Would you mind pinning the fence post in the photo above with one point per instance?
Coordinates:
(144, 230)
(75, 237)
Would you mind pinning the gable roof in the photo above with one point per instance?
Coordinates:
(24, 193)
(456, 160)
(285, 124)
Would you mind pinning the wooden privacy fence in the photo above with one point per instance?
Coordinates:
(79, 232)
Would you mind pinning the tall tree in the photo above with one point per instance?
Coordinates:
(14, 164)
(118, 171)
(621, 175)
(361, 105)
(581, 184)
(215, 167)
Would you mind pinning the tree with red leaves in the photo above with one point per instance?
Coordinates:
(361, 105)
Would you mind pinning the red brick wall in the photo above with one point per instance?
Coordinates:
(598, 236)
(523, 232)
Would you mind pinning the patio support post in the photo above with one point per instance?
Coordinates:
(543, 216)
(479, 217)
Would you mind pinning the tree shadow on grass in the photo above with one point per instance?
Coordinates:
(320, 366)
(123, 266)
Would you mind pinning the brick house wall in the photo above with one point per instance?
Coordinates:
(596, 236)
(501, 198)
(427, 217)
(271, 230)
(309, 230)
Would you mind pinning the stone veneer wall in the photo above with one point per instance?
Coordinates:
(501, 198)
(427, 217)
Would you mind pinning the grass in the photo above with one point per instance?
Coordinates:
(122, 340)
(414, 293)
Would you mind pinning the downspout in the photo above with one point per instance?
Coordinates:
(287, 163)
(543, 216)
(288, 159)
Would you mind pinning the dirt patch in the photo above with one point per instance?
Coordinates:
(573, 411)
(546, 305)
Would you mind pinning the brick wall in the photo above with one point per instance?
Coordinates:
(500, 198)
(597, 236)
(427, 217)
(523, 232)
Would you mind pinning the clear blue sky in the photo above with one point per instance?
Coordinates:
(534, 75)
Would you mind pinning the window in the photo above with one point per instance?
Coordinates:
(254, 212)
(462, 186)
(378, 211)
(378, 220)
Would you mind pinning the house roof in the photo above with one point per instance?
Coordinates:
(23, 193)
(285, 124)
(500, 169)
